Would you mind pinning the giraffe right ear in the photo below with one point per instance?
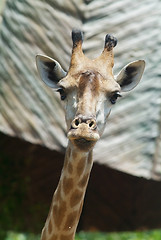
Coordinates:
(130, 75)
(49, 70)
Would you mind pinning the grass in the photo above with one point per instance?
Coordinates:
(148, 235)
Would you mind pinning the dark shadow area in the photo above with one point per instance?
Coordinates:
(114, 201)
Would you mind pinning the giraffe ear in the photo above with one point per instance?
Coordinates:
(130, 75)
(49, 70)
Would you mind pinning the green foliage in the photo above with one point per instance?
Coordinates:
(21, 236)
(148, 235)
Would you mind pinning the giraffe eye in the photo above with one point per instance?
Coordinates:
(114, 97)
(62, 93)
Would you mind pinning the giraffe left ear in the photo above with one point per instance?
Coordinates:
(130, 75)
(49, 70)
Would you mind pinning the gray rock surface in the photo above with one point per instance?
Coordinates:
(33, 112)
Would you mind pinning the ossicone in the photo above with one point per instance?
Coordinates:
(77, 37)
(110, 42)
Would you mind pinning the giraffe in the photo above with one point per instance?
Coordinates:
(88, 91)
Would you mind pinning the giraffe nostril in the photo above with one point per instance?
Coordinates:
(77, 122)
(92, 124)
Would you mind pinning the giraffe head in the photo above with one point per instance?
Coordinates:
(89, 89)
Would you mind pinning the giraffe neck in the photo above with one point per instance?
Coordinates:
(68, 198)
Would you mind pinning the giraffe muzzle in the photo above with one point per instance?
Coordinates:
(83, 132)
(90, 122)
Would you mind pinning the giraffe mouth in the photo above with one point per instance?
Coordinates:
(83, 144)
(83, 134)
(83, 137)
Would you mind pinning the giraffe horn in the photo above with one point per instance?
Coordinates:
(77, 53)
(107, 56)
(77, 37)
(110, 42)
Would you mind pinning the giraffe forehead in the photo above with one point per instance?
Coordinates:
(90, 80)
(96, 83)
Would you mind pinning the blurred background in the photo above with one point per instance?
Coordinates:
(124, 191)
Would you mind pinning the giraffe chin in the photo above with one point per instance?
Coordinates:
(83, 142)
(83, 145)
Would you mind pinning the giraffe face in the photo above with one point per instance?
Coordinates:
(89, 89)
(88, 99)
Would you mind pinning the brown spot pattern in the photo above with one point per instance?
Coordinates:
(55, 212)
(59, 213)
(69, 152)
(57, 194)
(43, 237)
(70, 168)
(53, 237)
(66, 237)
(71, 220)
(83, 181)
(50, 226)
(74, 155)
(65, 163)
(75, 198)
(67, 185)
(80, 209)
(90, 158)
(67, 156)
(81, 165)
